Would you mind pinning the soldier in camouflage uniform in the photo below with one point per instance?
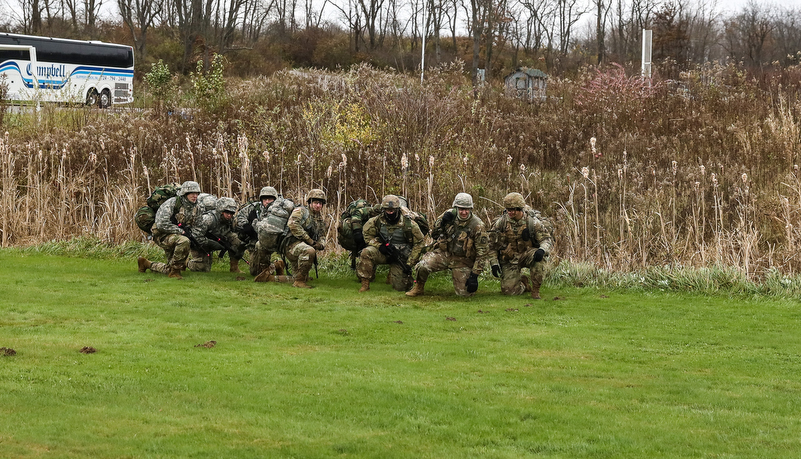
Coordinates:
(392, 239)
(215, 232)
(307, 230)
(520, 240)
(246, 221)
(175, 224)
(461, 245)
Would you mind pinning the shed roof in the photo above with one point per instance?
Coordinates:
(532, 73)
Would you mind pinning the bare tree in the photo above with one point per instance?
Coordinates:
(747, 34)
(139, 16)
(371, 11)
(353, 18)
(788, 35)
(569, 12)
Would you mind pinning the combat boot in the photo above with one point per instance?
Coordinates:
(144, 264)
(300, 282)
(279, 267)
(365, 285)
(417, 290)
(265, 276)
(175, 273)
(235, 266)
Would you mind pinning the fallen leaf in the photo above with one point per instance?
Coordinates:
(88, 350)
(7, 351)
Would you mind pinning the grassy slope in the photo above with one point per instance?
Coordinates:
(331, 373)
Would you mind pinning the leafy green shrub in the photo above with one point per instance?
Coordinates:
(208, 88)
(162, 85)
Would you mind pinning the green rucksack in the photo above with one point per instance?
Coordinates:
(145, 216)
(353, 218)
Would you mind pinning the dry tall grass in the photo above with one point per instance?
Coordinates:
(634, 175)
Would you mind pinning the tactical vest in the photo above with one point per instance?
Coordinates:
(459, 237)
(184, 214)
(399, 235)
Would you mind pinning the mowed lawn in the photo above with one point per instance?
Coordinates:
(329, 372)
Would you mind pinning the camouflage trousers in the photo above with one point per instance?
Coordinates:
(176, 248)
(511, 279)
(437, 260)
(301, 257)
(201, 262)
(370, 258)
(260, 260)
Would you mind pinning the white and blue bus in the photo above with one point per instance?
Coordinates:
(43, 69)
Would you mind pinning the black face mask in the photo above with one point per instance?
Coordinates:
(392, 218)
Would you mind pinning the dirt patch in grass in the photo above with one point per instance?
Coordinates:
(7, 351)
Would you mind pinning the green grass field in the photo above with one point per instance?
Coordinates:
(329, 372)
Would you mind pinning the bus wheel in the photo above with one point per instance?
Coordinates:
(105, 99)
(92, 98)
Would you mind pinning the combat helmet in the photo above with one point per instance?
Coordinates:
(391, 201)
(226, 205)
(315, 194)
(268, 192)
(514, 200)
(189, 187)
(463, 200)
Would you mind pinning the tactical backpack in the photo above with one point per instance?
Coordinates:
(419, 218)
(532, 216)
(207, 202)
(272, 227)
(353, 218)
(145, 217)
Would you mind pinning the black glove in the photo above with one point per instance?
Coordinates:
(247, 228)
(447, 217)
(472, 283)
(496, 270)
(358, 237)
(386, 250)
(525, 235)
(406, 269)
(213, 246)
(539, 254)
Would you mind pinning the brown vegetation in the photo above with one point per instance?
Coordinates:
(701, 174)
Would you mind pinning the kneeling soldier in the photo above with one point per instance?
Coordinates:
(521, 240)
(392, 239)
(461, 245)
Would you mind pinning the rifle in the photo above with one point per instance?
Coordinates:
(226, 246)
(192, 241)
(395, 255)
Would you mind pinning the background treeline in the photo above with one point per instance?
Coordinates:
(556, 36)
(635, 175)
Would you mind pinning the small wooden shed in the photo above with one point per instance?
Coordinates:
(527, 83)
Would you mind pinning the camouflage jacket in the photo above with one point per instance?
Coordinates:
(242, 216)
(188, 215)
(306, 226)
(213, 225)
(405, 234)
(507, 238)
(459, 238)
